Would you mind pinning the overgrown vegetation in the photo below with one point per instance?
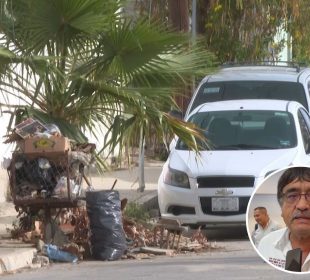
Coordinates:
(136, 212)
(243, 30)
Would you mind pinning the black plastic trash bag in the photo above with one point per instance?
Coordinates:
(107, 237)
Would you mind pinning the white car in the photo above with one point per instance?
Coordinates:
(249, 139)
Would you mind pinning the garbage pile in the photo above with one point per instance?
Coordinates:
(46, 164)
(69, 222)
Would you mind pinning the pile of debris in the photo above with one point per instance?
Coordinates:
(72, 233)
(70, 222)
(163, 237)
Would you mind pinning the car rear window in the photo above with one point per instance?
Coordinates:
(231, 90)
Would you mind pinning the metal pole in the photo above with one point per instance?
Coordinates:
(289, 46)
(150, 10)
(194, 16)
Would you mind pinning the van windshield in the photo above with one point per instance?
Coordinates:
(245, 130)
(231, 90)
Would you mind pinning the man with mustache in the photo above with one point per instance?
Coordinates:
(293, 195)
(264, 224)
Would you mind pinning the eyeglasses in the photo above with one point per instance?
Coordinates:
(294, 197)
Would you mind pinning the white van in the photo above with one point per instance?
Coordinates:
(254, 82)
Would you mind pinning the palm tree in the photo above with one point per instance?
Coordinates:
(82, 64)
(50, 39)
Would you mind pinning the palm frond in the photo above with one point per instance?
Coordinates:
(62, 21)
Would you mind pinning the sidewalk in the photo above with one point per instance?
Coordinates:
(15, 255)
(128, 183)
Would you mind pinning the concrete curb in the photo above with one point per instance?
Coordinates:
(12, 259)
(148, 199)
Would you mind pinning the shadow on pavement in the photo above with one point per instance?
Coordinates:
(227, 234)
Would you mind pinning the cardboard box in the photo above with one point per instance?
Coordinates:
(29, 127)
(41, 145)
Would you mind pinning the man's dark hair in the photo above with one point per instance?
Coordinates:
(290, 175)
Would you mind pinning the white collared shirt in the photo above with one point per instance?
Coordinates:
(274, 247)
(260, 232)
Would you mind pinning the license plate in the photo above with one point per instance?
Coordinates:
(229, 204)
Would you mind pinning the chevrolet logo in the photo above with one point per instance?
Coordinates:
(224, 192)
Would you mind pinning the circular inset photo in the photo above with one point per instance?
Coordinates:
(278, 219)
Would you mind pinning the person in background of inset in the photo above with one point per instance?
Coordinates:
(293, 195)
(264, 224)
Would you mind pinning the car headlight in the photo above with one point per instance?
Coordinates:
(176, 178)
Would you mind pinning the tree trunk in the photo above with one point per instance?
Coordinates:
(141, 160)
(179, 14)
(179, 19)
(203, 7)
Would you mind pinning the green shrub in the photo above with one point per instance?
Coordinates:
(136, 212)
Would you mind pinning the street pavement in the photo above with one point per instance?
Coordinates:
(15, 254)
(241, 264)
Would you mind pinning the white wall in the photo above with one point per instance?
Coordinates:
(5, 151)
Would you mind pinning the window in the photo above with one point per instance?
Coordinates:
(245, 130)
(232, 90)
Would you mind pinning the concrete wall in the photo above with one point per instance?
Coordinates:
(5, 152)
(3, 184)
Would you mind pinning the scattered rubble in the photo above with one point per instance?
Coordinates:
(160, 237)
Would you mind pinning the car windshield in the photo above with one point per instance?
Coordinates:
(244, 130)
(231, 90)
